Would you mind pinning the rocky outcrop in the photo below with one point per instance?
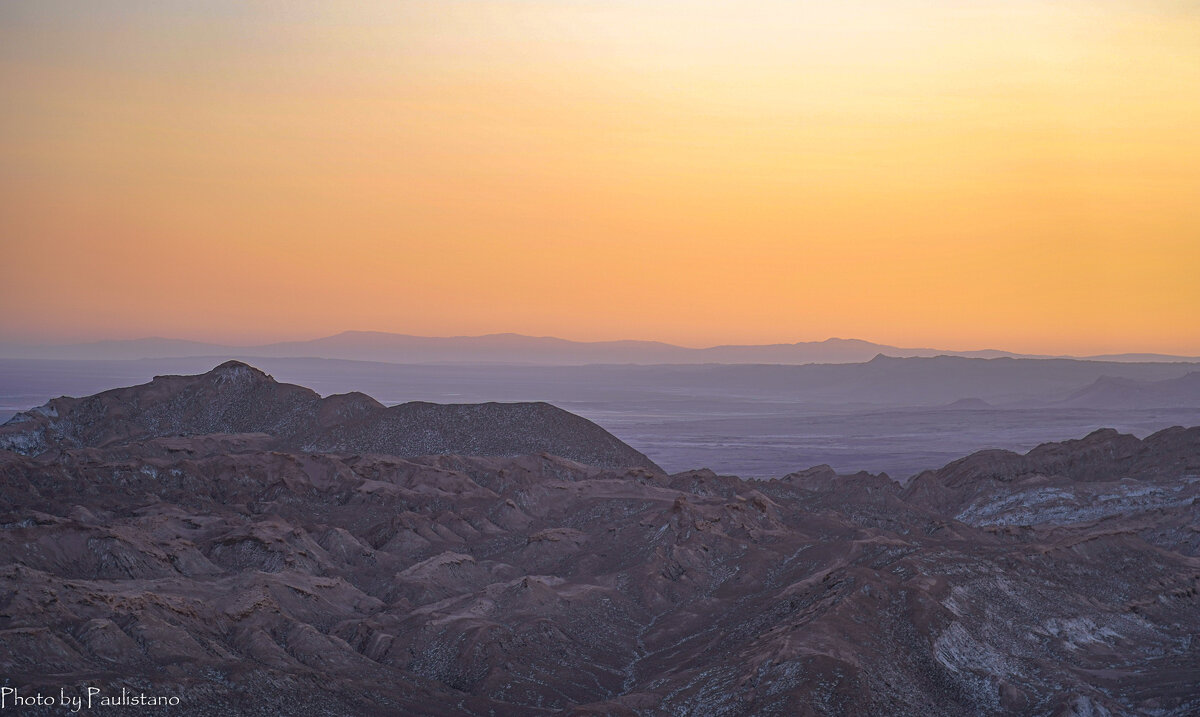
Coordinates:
(235, 398)
(1104, 482)
(1104, 456)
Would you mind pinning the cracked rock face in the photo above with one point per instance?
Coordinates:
(248, 577)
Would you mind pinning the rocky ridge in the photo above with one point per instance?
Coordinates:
(237, 398)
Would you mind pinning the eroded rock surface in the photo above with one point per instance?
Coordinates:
(248, 577)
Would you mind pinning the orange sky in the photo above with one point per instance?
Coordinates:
(1019, 175)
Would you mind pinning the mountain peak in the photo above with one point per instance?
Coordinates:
(239, 370)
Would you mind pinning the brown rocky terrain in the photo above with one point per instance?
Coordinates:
(251, 551)
(237, 398)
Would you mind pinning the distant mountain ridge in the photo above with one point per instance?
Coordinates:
(1114, 391)
(513, 349)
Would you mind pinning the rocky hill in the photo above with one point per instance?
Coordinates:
(237, 398)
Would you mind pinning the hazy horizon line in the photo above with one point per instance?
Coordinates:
(243, 343)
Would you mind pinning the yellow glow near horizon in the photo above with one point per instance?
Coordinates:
(1022, 175)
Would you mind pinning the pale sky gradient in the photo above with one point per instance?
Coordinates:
(1012, 174)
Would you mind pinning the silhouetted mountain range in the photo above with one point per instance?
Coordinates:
(507, 348)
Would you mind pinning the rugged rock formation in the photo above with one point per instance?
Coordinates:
(1160, 471)
(245, 578)
(237, 398)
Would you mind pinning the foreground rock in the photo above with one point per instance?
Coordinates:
(244, 577)
(316, 584)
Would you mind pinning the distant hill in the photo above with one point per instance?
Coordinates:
(1119, 392)
(968, 404)
(513, 349)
